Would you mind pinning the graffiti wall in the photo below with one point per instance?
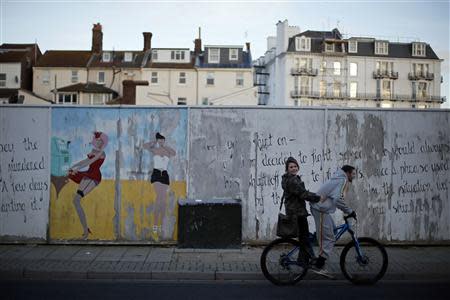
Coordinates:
(402, 160)
(24, 174)
(117, 174)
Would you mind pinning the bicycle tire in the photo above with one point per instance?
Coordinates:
(268, 263)
(366, 244)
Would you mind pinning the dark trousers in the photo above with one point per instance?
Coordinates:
(303, 237)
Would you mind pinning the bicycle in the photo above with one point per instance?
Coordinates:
(280, 266)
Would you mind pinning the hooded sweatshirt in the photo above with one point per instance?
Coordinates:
(334, 191)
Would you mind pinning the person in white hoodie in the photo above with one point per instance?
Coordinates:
(332, 194)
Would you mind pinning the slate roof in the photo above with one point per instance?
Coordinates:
(90, 87)
(64, 58)
(365, 48)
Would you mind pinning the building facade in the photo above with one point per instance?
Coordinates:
(313, 68)
(163, 76)
(16, 71)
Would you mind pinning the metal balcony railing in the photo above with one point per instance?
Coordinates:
(362, 96)
(296, 71)
(421, 75)
(385, 74)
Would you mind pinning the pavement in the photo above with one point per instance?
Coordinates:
(171, 263)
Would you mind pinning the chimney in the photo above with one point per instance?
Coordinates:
(198, 43)
(129, 91)
(147, 40)
(97, 38)
(248, 47)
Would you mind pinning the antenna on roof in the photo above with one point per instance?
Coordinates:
(199, 32)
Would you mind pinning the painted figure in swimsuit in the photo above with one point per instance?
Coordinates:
(160, 178)
(89, 179)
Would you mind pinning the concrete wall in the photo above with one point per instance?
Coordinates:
(24, 173)
(401, 192)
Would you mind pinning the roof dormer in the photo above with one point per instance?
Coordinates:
(303, 43)
(419, 49)
(381, 48)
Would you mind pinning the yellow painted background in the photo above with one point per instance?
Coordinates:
(99, 209)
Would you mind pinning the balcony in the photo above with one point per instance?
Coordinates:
(421, 76)
(297, 71)
(364, 97)
(379, 74)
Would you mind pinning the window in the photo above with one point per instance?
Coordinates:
(2, 79)
(101, 77)
(353, 69)
(213, 55)
(154, 78)
(352, 46)
(420, 69)
(181, 101)
(381, 48)
(337, 68)
(210, 79)
(46, 77)
(384, 67)
(353, 89)
(305, 63)
(99, 99)
(303, 44)
(106, 56)
(418, 49)
(323, 66)
(337, 89)
(323, 88)
(304, 86)
(422, 90)
(128, 56)
(182, 78)
(74, 76)
(154, 55)
(386, 89)
(177, 55)
(329, 47)
(234, 54)
(67, 98)
(296, 102)
(239, 79)
(205, 101)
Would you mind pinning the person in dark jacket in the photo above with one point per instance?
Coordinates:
(295, 195)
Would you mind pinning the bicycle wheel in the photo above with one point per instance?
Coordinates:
(367, 268)
(279, 262)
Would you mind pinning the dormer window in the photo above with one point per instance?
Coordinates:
(381, 48)
(234, 54)
(302, 44)
(154, 55)
(418, 49)
(214, 55)
(106, 57)
(329, 47)
(352, 46)
(128, 57)
(177, 55)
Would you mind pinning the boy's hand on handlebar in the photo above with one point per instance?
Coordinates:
(352, 215)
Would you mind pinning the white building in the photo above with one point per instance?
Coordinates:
(321, 68)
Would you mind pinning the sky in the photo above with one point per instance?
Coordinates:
(67, 25)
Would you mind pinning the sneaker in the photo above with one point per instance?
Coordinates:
(323, 271)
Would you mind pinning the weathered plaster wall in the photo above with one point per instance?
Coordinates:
(402, 157)
(24, 173)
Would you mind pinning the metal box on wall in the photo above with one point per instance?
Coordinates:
(209, 224)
